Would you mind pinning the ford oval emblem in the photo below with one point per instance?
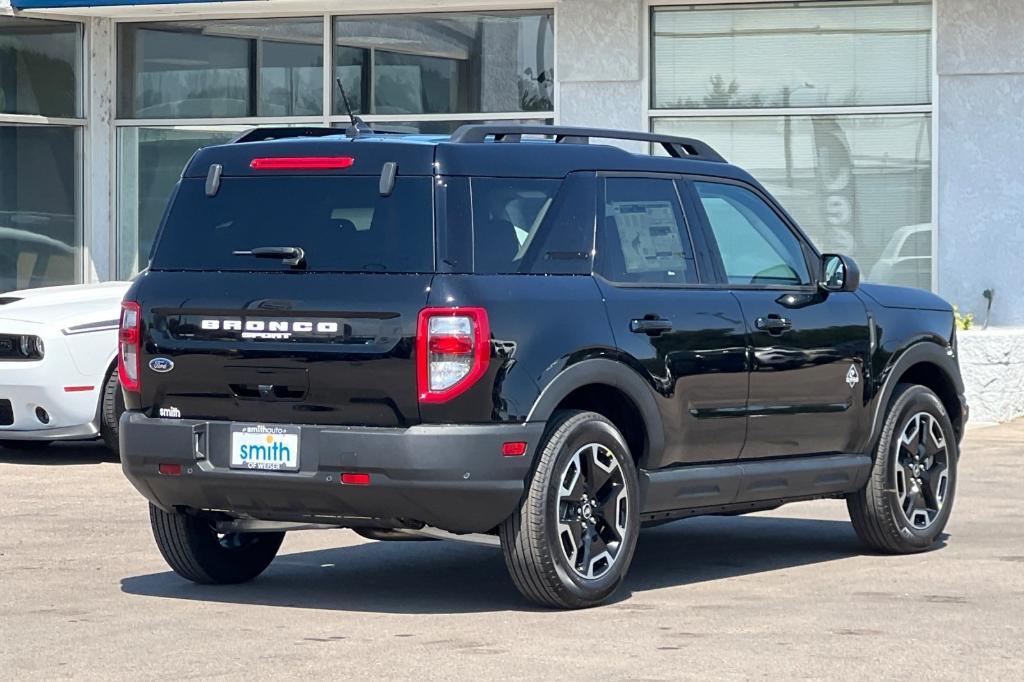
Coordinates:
(161, 365)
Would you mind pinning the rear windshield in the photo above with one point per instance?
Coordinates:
(342, 224)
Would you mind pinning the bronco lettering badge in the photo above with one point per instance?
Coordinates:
(271, 329)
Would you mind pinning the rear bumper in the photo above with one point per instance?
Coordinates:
(451, 477)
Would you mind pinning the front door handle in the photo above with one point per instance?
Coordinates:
(773, 324)
(650, 325)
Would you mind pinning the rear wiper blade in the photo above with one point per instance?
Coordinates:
(293, 256)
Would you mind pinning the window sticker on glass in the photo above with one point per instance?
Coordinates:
(648, 235)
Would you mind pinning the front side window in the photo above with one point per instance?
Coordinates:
(756, 247)
(644, 238)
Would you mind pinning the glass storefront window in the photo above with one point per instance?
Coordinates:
(40, 238)
(40, 67)
(858, 185)
(150, 161)
(446, 127)
(221, 69)
(446, 63)
(792, 55)
(420, 73)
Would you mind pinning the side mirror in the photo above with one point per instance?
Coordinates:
(839, 273)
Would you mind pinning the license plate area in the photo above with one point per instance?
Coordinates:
(265, 447)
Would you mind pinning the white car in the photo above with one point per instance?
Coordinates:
(58, 364)
(906, 260)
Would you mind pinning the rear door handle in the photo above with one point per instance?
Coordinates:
(650, 325)
(773, 324)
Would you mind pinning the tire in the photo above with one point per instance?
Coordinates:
(111, 409)
(906, 502)
(559, 512)
(196, 552)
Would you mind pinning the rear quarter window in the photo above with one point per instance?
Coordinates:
(342, 224)
(533, 226)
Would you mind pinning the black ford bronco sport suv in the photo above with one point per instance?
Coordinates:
(537, 343)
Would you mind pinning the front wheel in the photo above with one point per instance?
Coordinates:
(572, 539)
(194, 549)
(906, 503)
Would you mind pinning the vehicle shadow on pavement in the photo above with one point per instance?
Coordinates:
(449, 577)
(58, 454)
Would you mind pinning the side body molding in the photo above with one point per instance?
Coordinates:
(610, 373)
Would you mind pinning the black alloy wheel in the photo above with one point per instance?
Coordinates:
(571, 541)
(921, 470)
(907, 500)
(592, 511)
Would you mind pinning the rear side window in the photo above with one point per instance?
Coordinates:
(533, 226)
(644, 238)
(341, 223)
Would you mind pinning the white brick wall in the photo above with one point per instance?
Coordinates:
(992, 363)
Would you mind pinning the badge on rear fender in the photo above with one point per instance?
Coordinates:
(161, 365)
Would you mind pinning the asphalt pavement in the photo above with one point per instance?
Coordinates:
(787, 594)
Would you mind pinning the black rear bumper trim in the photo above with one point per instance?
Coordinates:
(452, 477)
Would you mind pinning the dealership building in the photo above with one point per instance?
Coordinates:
(892, 129)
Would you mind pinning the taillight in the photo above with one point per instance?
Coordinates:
(453, 349)
(128, 346)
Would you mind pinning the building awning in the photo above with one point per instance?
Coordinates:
(158, 10)
(61, 4)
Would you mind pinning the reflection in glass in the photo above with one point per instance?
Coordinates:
(40, 67)
(793, 55)
(858, 185)
(221, 69)
(150, 161)
(445, 127)
(446, 63)
(40, 241)
(291, 79)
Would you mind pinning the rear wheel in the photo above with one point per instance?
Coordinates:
(572, 539)
(196, 551)
(907, 501)
(111, 409)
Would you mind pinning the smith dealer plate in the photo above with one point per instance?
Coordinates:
(270, 447)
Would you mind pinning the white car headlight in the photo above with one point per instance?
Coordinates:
(31, 347)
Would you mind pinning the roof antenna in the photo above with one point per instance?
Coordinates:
(358, 127)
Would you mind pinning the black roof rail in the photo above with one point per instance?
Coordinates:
(679, 147)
